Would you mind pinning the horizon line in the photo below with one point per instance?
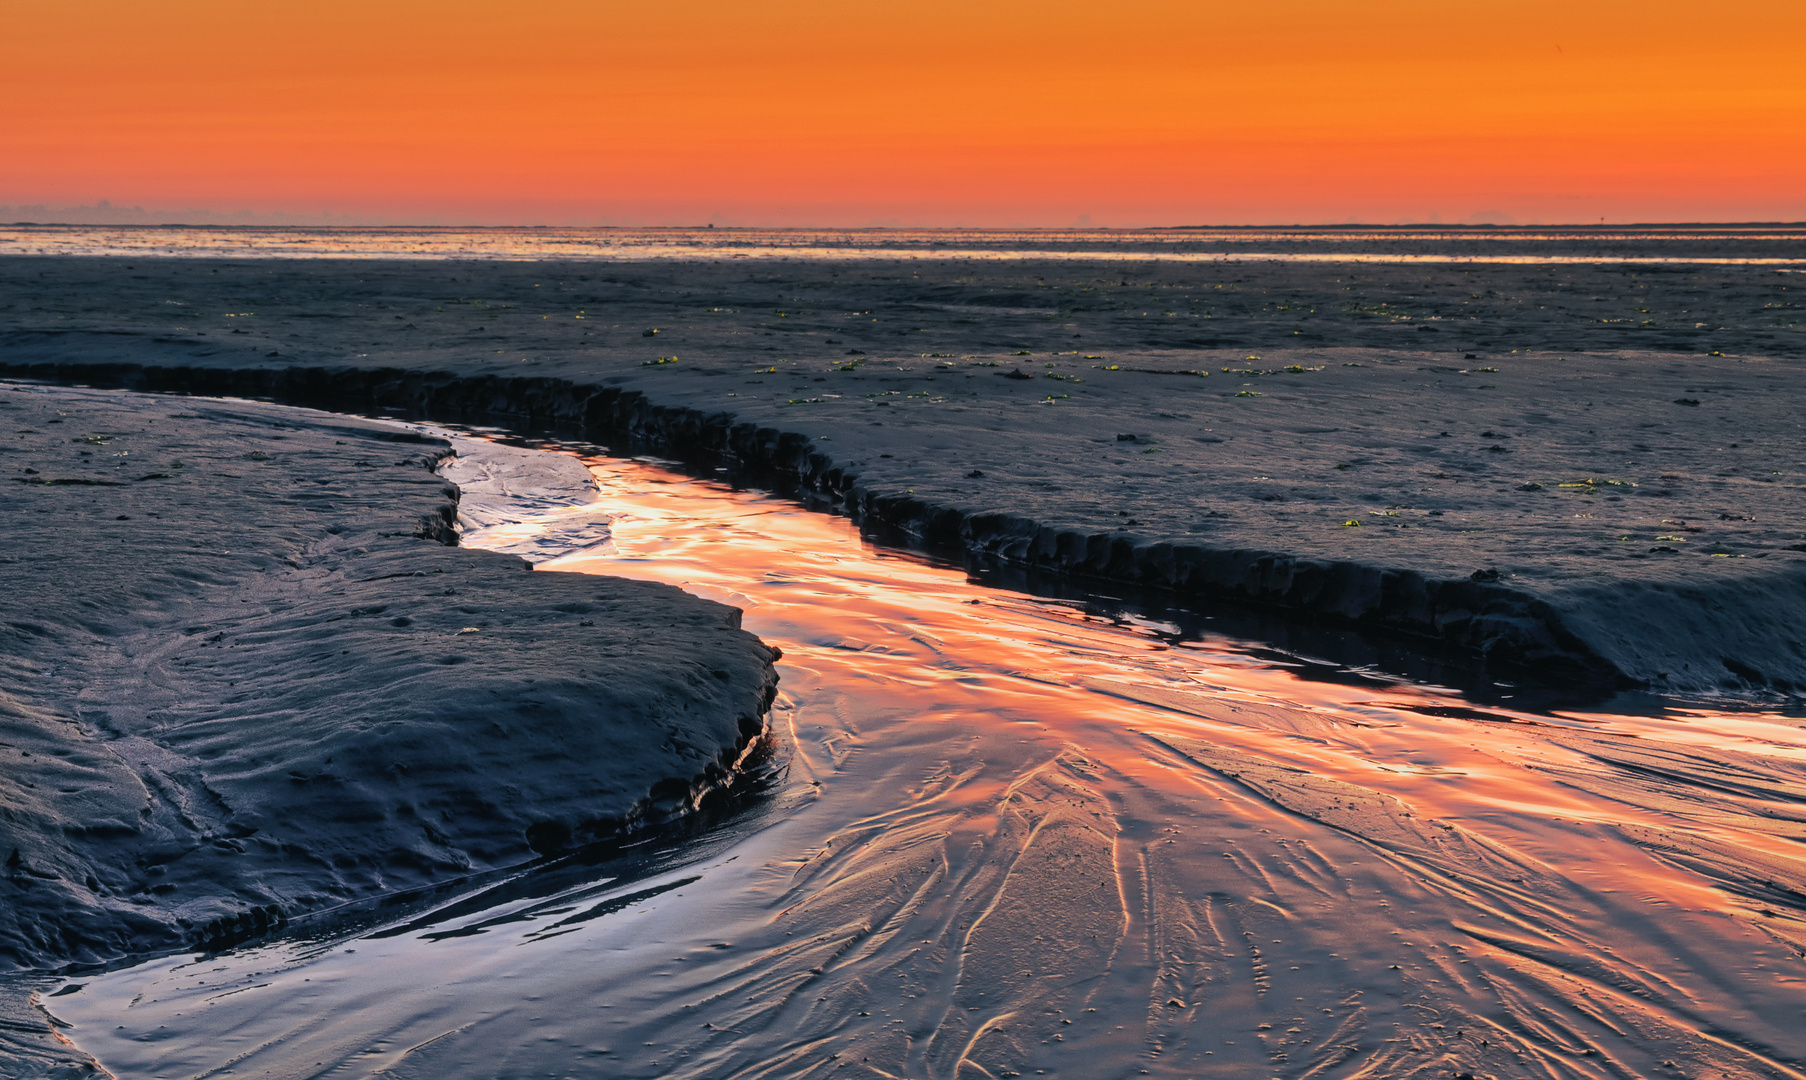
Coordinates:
(1445, 226)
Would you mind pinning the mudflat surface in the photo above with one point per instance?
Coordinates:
(1619, 444)
(245, 678)
(1020, 837)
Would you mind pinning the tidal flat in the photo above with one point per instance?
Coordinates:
(1588, 465)
(1003, 833)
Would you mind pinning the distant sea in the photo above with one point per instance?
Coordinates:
(1782, 246)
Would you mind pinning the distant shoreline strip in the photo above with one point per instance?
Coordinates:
(835, 254)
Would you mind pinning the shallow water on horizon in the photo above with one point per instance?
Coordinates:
(1723, 245)
(1013, 835)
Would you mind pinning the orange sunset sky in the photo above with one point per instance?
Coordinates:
(936, 112)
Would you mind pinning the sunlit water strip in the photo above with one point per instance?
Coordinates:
(1553, 247)
(1017, 836)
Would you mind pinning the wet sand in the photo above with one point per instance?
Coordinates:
(1025, 837)
(1585, 473)
(246, 679)
(1580, 475)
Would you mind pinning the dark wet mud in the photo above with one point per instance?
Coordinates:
(1003, 835)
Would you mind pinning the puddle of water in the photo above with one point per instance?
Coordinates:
(1016, 837)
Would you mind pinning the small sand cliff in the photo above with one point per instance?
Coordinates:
(1515, 519)
(244, 675)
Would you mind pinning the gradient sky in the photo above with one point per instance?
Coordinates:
(1009, 112)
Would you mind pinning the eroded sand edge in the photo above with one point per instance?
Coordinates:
(246, 678)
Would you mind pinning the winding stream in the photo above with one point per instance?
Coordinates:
(1000, 835)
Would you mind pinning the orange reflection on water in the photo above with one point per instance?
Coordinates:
(809, 582)
(1537, 845)
(1020, 836)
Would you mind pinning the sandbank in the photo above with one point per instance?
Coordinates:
(248, 677)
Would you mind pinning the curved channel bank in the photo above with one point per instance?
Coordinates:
(1624, 633)
(247, 674)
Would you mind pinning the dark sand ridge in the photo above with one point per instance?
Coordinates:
(1637, 496)
(246, 678)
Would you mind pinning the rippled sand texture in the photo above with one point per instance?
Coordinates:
(1020, 837)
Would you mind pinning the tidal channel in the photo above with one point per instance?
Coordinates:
(995, 834)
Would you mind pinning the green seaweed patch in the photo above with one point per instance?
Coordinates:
(1382, 310)
(1253, 373)
(1160, 371)
(1587, 487)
